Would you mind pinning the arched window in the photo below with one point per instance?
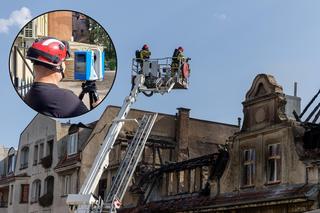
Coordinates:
(47, 198)
(11, 160)
(24, 157)
(36, 190)
(49, 185)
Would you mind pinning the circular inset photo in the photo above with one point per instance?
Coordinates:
(63, 63)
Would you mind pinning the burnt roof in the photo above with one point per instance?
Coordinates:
(281, 194)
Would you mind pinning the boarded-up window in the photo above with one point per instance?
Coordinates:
(274, 163)
(248, 168)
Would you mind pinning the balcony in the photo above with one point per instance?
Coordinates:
(46, 200)
(3, 204)
(46, 161)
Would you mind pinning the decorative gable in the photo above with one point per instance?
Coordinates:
(264, 104)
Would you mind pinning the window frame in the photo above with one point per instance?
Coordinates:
(66, 185)
(24, 158)
(71, 150)
(24, 193)
(36, 191)
(11, 162)
(275, 159)
(36, 154)
(250, 164)
(41, 150)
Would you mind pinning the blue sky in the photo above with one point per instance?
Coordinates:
(230, 42)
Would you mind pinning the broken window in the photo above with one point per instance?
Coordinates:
(123, 150)
(181, 184)
(156, 154)
(248, 167)
(204, 176)
(274, 163)
(170, 183)
(148, 155)
(192, 180)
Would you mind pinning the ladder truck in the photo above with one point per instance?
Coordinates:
(149, 77)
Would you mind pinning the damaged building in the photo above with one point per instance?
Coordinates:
(270, 164)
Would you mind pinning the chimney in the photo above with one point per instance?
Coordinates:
(293, 103)
(182, 134)
(239, 122)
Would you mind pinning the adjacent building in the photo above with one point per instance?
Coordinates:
(54, 158)
(63, 25)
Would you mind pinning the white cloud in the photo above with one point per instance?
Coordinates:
(17, 18)
(220, 16)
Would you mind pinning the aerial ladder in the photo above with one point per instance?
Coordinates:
(149, 77)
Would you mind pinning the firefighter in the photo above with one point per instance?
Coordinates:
(145, 52)
(177, 60)
(48, 55)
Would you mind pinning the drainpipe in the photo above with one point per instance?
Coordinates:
(307, 175)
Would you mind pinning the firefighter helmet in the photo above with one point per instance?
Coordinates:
(49, 50)
(145, 47)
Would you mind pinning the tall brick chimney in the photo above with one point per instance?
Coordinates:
(182, 134)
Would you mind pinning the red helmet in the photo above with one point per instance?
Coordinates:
(49, 50)
(180, 48)
(145, 47)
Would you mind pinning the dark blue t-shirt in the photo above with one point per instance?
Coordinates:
(51, 100)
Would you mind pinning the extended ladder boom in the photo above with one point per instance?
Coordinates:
(150, 76)
(85, 196)
(130, 162)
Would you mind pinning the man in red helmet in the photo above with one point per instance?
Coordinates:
(48, 55)
(145, 52)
